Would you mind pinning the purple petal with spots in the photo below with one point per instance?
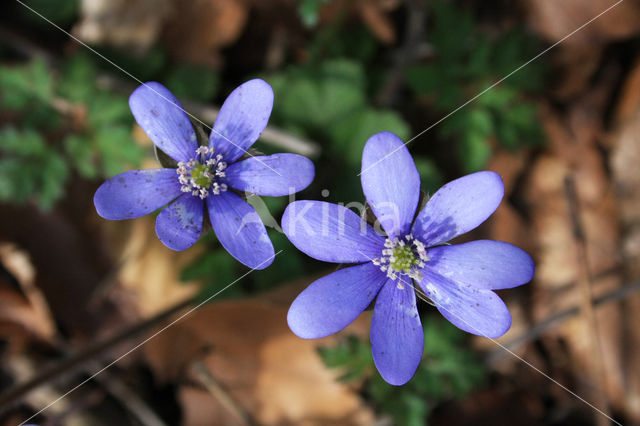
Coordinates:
(390, 182)
(491, 265)
(163, 119)
(397, 338)
(242, 118)
(180, 224)
(330, 232)
(331, 303)
(458, 207)
(240, 230)
(272, 175)
(136, 193)
(469, 308)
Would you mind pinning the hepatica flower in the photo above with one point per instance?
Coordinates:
(206, 176)
(459, 279)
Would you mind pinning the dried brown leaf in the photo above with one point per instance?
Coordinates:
(24, 314)
(554, 20)
(128, 24)
(272, 374)
(197, 29)
(573, 152)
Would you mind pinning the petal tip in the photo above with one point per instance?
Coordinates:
(499, 332)
(265, 263)
(378, 139)
(99, 203)
(296, 322)
(395, 377)
(154, 86)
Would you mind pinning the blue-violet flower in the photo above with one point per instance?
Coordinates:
(458, 279)
(206, 175)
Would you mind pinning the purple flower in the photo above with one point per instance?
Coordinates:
(458, 279)
(206, 175)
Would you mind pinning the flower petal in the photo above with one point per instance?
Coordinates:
(397, 338)
(458, 207)
(272, 175)
(491, 265)
(330, 232)
(390, 182)
(240, 230)
(242, 118)
(180, 225)
(469, 308)
(331, 303)
(136, 193)
(163, 119)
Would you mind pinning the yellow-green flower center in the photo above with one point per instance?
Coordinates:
(198, 175)
(201, 174)
(404, 259)
(405, 256)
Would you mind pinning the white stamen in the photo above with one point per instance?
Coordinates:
(191, 172)
(402, 257)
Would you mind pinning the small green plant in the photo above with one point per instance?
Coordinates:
(329, 102)
(214, 269)
(69, 126)
(467, 61)
(449, 370)
(30, 168)
(309, 11)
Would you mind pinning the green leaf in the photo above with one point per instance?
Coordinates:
(468, 60)
(78, 78)
(453, 29)
(351, 355)
(286, 266)
(314, 98)
(193, 82)
(106, 109)
(22, 85)
(352, 132)
(215, 269)
(61, 12)
(116, 149)
(30, 169)
(426, 79)
(500, 96)
(145, 67)
(430, 176)
(309, 10)
(81, 153)
(475, 151)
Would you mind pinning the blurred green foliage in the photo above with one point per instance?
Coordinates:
(309, 11)
(214, 269)
(61, 12)
(67, 125)
(329, 102)
(468, 60)
(193, 82)
(30, 168)
(449, 370)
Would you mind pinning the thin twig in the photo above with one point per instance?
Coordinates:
(129, 399)
(271, 135)
(558, 318)
(205, 377)
(93, 352)
(414, 30)
(585, 286)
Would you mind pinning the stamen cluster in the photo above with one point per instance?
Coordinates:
(198, 175)
(402, 256)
